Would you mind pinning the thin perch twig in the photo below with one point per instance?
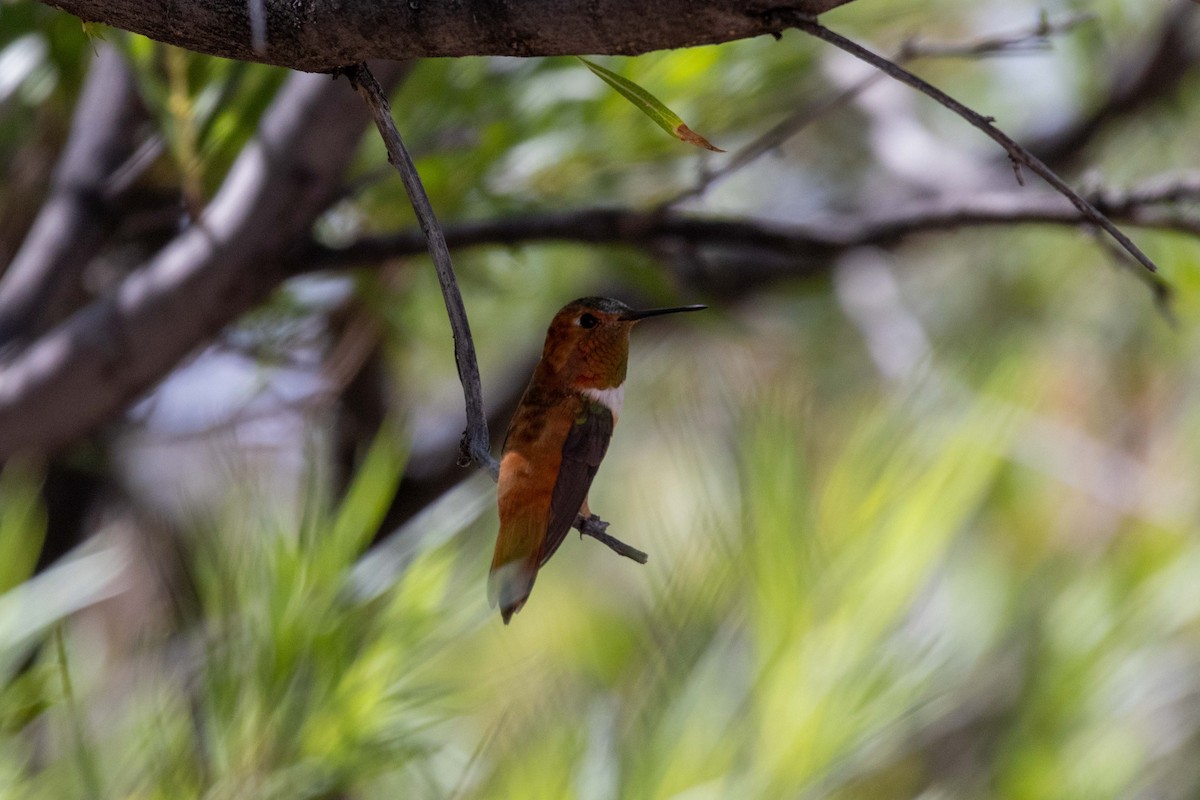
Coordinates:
(596, 528)
(1016, 153)
(476, 442)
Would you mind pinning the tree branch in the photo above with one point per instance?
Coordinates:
(1017, 154)
(594, 225)
(1034, 39)
(71, 226)
(1022, 41)
(325, 35)
(810, 242)
(595, 527)
(88, 369)
(476, 444)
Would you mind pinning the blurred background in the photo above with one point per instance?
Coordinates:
(919, 489)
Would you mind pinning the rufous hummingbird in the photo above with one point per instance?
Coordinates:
(558, 437)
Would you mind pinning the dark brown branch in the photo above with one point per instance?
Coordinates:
(809, 246)
(325, 35)
(596, 226)
(1016, 153)
(475, 444)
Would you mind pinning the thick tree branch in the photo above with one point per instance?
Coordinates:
(71, 225)
(91, 367)
(324, 35)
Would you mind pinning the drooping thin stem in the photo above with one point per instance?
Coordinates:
(475, 444)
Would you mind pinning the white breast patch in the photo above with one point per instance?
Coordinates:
(612, 399)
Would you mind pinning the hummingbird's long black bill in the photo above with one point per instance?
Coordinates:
(633, 316)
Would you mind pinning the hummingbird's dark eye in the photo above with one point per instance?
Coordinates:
(588, 321)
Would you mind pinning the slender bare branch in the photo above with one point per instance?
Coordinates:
(1021, 41)
(809, 247)
(1034, 39)
(595, 527)
(476, 444)
(1016, 153)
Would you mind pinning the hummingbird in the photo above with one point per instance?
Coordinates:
(557, 438)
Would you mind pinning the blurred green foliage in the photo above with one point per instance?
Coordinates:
(973, 577)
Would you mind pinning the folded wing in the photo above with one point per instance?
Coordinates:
(583, 451)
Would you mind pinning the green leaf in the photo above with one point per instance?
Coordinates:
(22, 522)
(92, 30)
(651, 106)
(370, 494)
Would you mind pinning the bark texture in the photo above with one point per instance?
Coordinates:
(322, 35)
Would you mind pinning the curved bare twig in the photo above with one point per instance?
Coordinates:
(1016, 153)
(476, 444)
(1026, 40)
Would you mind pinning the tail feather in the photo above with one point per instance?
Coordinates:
(515, 563)
(509, 585)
